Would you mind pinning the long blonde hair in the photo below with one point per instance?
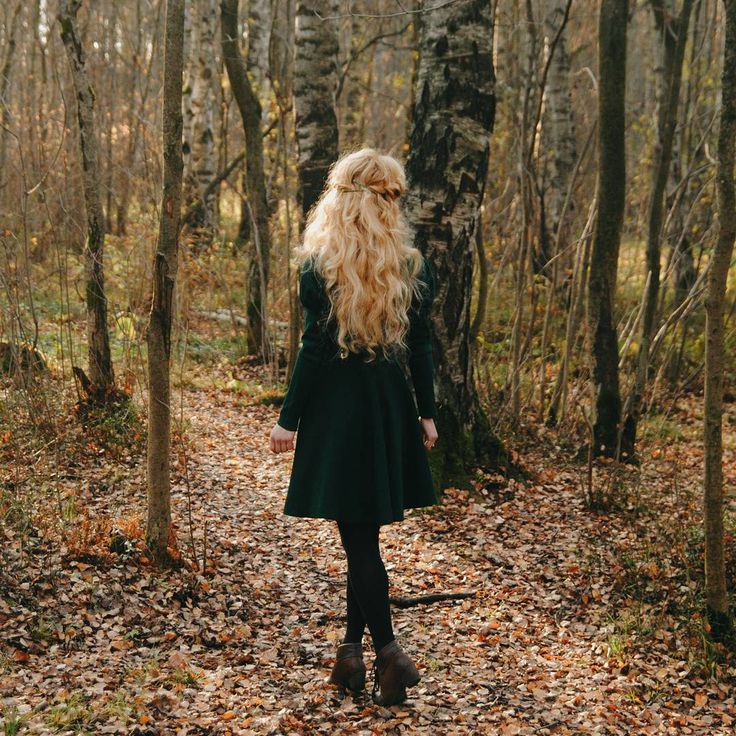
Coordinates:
(362, 246)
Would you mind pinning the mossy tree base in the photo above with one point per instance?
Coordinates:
(463, 447)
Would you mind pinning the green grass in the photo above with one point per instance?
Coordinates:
(72, 713)
(44, 629)
(12, 721)
(660, 427)
(119, 707)
(213, 350)
(185, 676)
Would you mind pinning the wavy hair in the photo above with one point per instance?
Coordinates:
(362, 246)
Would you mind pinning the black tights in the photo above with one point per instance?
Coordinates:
(367, 585)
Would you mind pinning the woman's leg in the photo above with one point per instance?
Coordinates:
(356, 622)
(368, 578)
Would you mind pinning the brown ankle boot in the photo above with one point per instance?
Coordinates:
(349, 668)
(394, 672)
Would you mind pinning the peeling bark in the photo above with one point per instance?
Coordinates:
(453, 116)
(315, 82)
(260, 17)
(199, 126)
(560, 121)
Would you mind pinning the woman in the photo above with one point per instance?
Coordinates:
(361, 450)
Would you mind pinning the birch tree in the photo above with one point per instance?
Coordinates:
(315, 82)
(200, 136)
(453, 117)
(260, 20)
(559, 117)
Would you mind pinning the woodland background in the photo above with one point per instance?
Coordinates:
(571, 173)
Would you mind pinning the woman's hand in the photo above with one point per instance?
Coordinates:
(429, 431)
(281, 439)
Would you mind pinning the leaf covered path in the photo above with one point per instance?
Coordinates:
(247, 648)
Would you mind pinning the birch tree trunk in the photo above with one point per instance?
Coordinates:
(453, 117)
(283, 28)
(315, 81)
(715, 303)
(98, 339)
(201, 164)
(259, 46)
(673, 31)
(250, 112)
(560, 120)
(260, 22)
(612, 23)
(158, 337)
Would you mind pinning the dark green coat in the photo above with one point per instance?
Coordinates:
(359, 452)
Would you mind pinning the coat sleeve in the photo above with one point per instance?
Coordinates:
(419, 341)
(312, 354)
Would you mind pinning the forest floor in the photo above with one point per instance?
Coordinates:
(581, 623)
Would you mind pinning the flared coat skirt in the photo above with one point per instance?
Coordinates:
(359, 454)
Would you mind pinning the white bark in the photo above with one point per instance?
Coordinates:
(259, 45)
(560, 121)
(315, 81)
(199, 106)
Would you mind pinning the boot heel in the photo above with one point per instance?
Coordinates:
(349, 671)
(411, 677)
(394, 672)
(355, 682)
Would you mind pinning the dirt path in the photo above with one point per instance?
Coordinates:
(247, 649)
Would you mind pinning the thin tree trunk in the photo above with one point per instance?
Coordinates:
(483, 290)
(558, 404)
(674, 36)
(100, 362)
(453, 117)
(158, 336)
(283, 30)
(607, 237)
(575, 290)
(5, 74)
(250, 112)
(190, 47)
(715, 301)
(526, 255)
(111, 32)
